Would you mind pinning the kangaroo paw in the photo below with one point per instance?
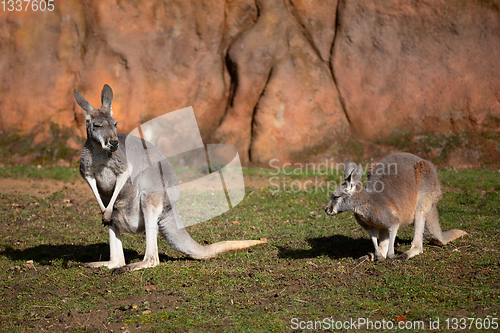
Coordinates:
(107, 221)
(107, 217)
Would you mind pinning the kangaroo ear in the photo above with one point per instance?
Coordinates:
(349, 168)
(356, 175)
(106, 99)
(90, 111)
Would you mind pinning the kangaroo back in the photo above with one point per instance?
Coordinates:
(398, 181)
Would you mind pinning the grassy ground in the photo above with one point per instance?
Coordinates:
(306, 271)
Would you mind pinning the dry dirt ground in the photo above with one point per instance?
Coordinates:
(76, 189)
(42, 188)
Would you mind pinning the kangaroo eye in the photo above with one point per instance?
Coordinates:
(116, 123)
(97, 125)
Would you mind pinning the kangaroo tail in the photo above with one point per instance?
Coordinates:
(434, 233)
(450, 235)
(176, 236)
(213, 250)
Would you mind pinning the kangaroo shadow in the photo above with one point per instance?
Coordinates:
(45, 254)
(335, 247)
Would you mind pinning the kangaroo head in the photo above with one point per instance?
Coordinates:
(343, 197)
(101, 127)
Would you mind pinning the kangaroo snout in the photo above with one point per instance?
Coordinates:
(113, 145)
(329, 210)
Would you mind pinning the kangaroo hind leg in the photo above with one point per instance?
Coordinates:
(117, 258)
(417, 245)
(174, 232)
(384, 239)
(151, 207)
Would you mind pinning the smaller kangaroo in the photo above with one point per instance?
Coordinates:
(138, 204)
(402, 189)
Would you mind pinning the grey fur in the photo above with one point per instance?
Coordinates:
(401, 190)
(131, 191)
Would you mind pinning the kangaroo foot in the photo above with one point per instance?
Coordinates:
(370, 257)
(414, 251)
(108, 264)
(135, 266)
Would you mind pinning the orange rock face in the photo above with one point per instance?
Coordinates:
(426, 66)
(274, 78)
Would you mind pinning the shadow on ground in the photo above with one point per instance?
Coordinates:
(45, 254)
(335, 247)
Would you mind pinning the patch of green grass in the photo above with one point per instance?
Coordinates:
(306, 271)
(31, 171)
(295, 170)
(472, 181)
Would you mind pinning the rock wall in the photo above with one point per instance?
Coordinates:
(279, 79)
(419, 66)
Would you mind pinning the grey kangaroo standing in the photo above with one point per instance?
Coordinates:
(400, 190)
(129, 186)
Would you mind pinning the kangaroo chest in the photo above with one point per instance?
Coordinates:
(105, 172)
(106, 180)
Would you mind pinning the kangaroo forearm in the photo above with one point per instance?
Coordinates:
(120, 182)
(93, 185)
